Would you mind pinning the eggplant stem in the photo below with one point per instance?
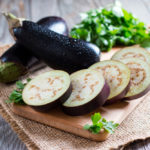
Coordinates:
(13, 22)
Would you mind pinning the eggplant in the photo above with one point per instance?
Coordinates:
(17, 60)
(47, 90)
(140, 77)
(89, 91)
(56, 50)
(55, 23)
(132, 52)
(117, 76)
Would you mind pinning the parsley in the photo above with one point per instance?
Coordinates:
(100, 123)
(16, 95)
(110, 26)
(146, 44)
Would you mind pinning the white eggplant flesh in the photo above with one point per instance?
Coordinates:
(47, 90)
(132, 52)
(117, 76)
(89, 91)
(140, 77)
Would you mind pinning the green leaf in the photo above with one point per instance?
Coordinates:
(87, 127)
(110, 126)
(146, 44)
(100, 123)
(28, 80)
(95, 118)
(16, 95)
(95, 129)
(19, 85)
(110, 26)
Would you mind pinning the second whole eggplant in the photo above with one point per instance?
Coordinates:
(56, 50)
(17, 60)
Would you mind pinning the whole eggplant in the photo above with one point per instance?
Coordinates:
(56, 50)
(17, 59)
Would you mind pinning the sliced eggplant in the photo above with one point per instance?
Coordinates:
(56, 50)
(89, 91)
(47, 90)
(117, 76)
(19, 57)
(132, 52)
(140, 77)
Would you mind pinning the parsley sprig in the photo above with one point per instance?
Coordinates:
(110, 26)
(16, 95)
(100, 123)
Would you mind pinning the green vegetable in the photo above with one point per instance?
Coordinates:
(146, 44)
(110, 26)
(10, 71)
(100, 123)
(16, 95)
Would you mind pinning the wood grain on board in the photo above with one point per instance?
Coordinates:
(69, 9)
(74, 124)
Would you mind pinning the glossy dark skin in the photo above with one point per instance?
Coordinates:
(20, 54)
(56, 50)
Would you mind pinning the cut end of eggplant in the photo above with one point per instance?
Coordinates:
(140, 77)
(132, 52)
(89, 91)
(10, 71)
(117, 76)
(47, 90)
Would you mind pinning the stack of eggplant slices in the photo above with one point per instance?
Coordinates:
(80, 82)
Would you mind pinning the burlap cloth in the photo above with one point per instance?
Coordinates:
(38, 136)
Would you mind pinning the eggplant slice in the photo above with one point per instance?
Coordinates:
(89, 91)
(47, 90)
(132, 52)
(140, 77)
(117, 76)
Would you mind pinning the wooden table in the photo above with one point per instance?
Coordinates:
(69, 10)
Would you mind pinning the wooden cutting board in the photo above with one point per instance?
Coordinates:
(74, 124)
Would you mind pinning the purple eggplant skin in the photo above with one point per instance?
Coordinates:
(22, 58)
(98, 101)
(54, 104)
(138, 95)
(19, 54)
(56, 50)
(56, 24)
(118, 97)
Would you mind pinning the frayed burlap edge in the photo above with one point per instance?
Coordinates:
(122, 147)
(23, 136)
(30, 143)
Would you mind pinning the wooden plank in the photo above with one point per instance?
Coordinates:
(56, 118)
(74, 124)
